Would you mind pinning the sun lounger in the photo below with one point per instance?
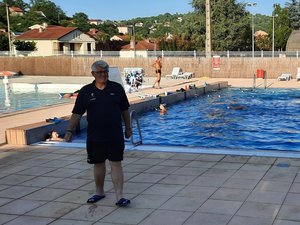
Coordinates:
(285, 76)
(185, 75)
(175, 72)
(298, 74)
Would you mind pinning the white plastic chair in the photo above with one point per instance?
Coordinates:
(175, 73)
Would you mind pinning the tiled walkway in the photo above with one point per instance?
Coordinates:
(40, 185)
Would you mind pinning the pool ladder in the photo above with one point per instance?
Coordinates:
(133, 115)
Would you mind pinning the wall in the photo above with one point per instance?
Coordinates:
(80, 66)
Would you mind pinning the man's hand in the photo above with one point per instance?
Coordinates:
(128, 132)
(68, 136)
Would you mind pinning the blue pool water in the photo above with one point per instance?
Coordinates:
(270, 121)
(20, 100)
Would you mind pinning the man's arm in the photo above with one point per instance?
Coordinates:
(73, 122)
(126, 118)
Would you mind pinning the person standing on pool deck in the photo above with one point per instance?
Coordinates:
(105, 103)
(157, 65)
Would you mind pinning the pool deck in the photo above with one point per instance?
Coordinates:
(42, 185)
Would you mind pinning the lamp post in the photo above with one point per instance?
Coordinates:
(273, 35)
(252, 22)
(8, 27)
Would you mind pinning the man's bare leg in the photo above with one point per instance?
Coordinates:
(99, 176)
(117, 178)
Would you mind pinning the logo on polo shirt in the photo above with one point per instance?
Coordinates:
(112, 93)
(92, 97)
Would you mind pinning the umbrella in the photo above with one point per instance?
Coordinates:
(7, 73)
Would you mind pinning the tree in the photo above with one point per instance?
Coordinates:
(80, 20)
(282, 27)
(25, 45)
(51, 11)
(4, 45)
(294, 14)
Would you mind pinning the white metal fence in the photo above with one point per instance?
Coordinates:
(145, 54)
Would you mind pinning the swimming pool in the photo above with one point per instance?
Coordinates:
(270, 121)
(22, 96)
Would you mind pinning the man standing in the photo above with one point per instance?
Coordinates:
(157, 65)
(105, 103)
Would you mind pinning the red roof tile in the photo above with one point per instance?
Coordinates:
(142, 45)
(49, 33)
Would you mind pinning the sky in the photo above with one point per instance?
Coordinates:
(129, 9)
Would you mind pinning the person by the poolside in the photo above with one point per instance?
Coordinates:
(237, 107)
(105, 103)
(54, 136)
(71, 95)
(163, 109)
(157, 65)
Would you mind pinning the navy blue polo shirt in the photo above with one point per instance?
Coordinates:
(103, 108)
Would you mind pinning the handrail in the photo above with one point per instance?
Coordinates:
(133, 114)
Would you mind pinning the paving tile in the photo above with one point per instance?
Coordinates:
(160, 217)
(46, 194)
(265, 185)
(138, 168)
(14, 179)
(162, 169)
(210, 157)
(149, 201)
(201, 164)
(174, 162)
(16, 192)
(3, 201)
(160, 155)
(69, 183)
(253, 175)
(292, 199)
(135, 188)
(120, 216)
(189, 204)
(240, 183)
(289, 212)
(267, 197)
(41, 181)
(220, 173)
(208, 219)
(258, 210)
(75, 196)
(163, 189)
(207, 181)
(5, 218)
(231, 194)
(58, 163)
(81, 165)
(220, 207)
(72, 222)
(235, 158)
(20, 207)
(149, 161)
(90, 212)
(177, 179)
(196, 191)
(185, 156)
(228, 165)
(30, 220)
(53, 209)
(36, 171)
(262, 160)
(63, 172)
(243, 220)
(255, 167)
(295, 188)
(286, 222)
(279, 176)
(190, 171)
(148, 177)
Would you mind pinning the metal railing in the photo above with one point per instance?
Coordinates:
(133, 115)
(146, 54)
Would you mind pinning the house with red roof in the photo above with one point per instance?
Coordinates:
(52, 40)
(16, 11)
(138, 48)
